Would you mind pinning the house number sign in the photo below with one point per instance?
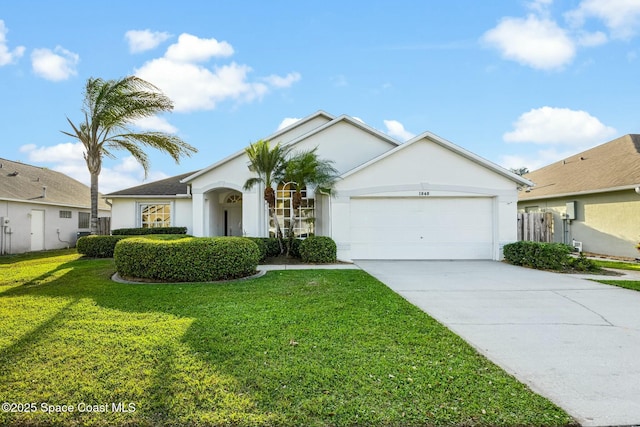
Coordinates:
(423, 193)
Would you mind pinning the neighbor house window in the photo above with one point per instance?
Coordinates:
(155, 215)
(65, 214)
(300, 220)
(84, 219)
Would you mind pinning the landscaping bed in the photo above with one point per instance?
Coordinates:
(292, 348)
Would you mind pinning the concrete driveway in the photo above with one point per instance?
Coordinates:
(572, 340)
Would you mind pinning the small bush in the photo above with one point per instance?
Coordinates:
(544, 256)
(293, 247)
(191, 259)
(96, 246)
(273, 247)
(318, 249)
(582, 263)
(262, 246)
(143, 231)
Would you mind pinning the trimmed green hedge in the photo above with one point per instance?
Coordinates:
(193, 259)
(96, 246)
(544, 256)
(318, 249)
(144, 231)
(293, 247)
(273, 247)
(262, 246)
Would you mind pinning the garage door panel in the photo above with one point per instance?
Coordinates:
(421, 228)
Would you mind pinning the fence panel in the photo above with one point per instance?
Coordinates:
(535, 226)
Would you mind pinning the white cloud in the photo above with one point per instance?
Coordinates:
(548, 125)
(592, 39)
(536, 42)
(282, 82)
(622, 17)
(143, 40)
(194, 49)
(67, 158)
(155, 123)
(287, 121)
(55, 65)
(8, 56)
(396, 130)
(192, 86)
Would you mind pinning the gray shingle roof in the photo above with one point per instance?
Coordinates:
(164, 187)
(613, 165)
(19, 181)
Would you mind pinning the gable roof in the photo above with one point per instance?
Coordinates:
(334, 121)
(449, 146)
(172, 186)
(612, 166)
(271, 137)
(26, 183)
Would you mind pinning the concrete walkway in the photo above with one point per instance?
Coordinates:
(572, 340)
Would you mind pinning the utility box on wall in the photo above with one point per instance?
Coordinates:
(571, 210)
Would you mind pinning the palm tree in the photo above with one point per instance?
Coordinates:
(306, 168)
(269, 163)
(110, 107)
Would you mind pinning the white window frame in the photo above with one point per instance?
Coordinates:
(286, 215)
(141, 206)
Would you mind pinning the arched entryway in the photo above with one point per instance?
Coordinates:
(224, 206)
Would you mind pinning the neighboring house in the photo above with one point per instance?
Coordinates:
(594, 197)
(424, 199)
(41, 209)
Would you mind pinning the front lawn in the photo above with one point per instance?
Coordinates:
(292, 348)
(628, 284)
(620, 265)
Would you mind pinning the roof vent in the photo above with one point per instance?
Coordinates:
(14, 173)
(44, 191)
(582, 158)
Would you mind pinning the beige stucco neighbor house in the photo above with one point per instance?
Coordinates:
(424, 199)
(41, 208)
(594, 197)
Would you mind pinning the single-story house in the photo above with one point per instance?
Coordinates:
(424, 199)
(594, 197)
(41, 208)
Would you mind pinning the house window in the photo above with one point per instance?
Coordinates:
(155, 215)
(299, 221)
(65, 214)
(84, 220)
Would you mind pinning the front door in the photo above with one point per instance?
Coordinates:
(37, 230)
(233, 221)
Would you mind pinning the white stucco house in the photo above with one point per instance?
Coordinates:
(41, 209)
(426, 198)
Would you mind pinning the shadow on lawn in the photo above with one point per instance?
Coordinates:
(181, 384)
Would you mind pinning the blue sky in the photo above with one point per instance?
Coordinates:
(521, 83)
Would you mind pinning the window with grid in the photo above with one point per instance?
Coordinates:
(65, 214)
(84, 220)
(155, 215)
(300, 221)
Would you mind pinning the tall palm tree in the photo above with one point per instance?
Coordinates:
(269, 163)
(110, 107)
(306, 168)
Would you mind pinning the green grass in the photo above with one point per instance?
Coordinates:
(617, 264)
(627, 284)
(292, 348)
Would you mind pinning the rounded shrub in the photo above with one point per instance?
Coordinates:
(544, 256)
(193, 259)
(318, 249)
(97, 246)
(262, 246)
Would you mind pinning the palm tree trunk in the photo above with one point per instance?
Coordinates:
(94, 203)
(272, 212)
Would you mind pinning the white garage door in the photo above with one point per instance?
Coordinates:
(422, 228)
